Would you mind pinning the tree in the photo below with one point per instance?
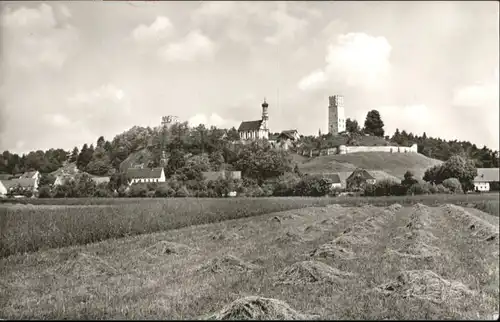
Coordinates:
(101, 142)
(233, 135)
(374, 124)
(352, 126)
(409, 179)
(74, 155)
(453, 184)
(457, 167)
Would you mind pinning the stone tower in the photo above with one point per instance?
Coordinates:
(265, 116)
(336, 115)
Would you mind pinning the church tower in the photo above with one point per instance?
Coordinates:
(336, 115)
(265, 116)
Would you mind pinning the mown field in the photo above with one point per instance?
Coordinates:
(324, 262)
(51, 223)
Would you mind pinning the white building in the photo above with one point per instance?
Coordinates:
(259, 129)
(336, 115)
(135, 175)
(484, 177)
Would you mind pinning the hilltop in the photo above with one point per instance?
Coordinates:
(395, 164)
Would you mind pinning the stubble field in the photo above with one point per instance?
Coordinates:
(321, 262)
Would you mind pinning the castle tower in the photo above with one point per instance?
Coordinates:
(336, 115)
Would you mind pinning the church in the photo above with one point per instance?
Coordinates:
(252, 130)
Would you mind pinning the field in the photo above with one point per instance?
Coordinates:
(269, 258)
(395, 164)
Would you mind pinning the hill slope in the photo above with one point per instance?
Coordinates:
(395, 164)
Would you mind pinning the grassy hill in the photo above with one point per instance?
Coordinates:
(142, 156)
(395, 164)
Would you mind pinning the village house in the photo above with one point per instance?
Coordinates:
(25, 184)
(485, 177)
(359, 179)
(138, 175)
(334, 178)
(253, 130)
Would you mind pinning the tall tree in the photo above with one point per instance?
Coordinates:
(352, 126)
(374, 124)
(74, 155)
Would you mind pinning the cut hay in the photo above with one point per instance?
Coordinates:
(281, 218)
(257, 308)
(418, 249)
(167, 248)
(328, 222)
(419, 218)
(351, 240)
(394, 207)
(426, 285)
(312, 272)
(290, 237)
(227, 263)
(313, 229)
(225, 235)
(85, 265)
(330, 250)
(479, 227)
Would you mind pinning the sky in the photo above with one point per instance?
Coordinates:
(73, 71)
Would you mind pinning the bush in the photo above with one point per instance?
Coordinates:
(182, 192)
(44, 192)
(418, 189)
(313, 186)
(138, 191)
(442, 189)
(453, 185)
(164, 191)
(433, 189)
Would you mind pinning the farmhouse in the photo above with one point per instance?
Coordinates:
(334, 178)
(135, 175)
(485, 177)
(21, 184)
(359, 179)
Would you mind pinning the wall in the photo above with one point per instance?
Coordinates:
(355, 149)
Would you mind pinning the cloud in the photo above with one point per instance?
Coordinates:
(33, 37)
(158, 30)
(478, 104)
(213, 119)
(57, 120)
(195, 46)
(105, 92)
(415, 118)
(288, 26)
(269, 22)
(356, 60)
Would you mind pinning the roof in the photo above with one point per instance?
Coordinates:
(28, 175)
(362, 173)
(333, 177)
(147, 173)
(24, 183)
(382, 175)
(250, 125)
(213, 175)
(487, 175)
(5, 176)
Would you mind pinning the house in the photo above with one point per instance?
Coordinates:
(334, 178)
(292, 135)
(23, 184)
(32, 175)
(359, 179)
(137, 175)
(253, 130)
(99, 180)
(485, 177)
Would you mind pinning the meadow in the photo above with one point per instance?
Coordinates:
(328, 261)
(33, 224)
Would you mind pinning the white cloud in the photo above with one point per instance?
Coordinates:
(195, 46)
(32, 37)
(479, 103)
(160, 29)
(107, 92)
(58, 120)
(357, 60)
(213, 119)
(415, 118)
(288, 27)
(269, 22)
(315, 80)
